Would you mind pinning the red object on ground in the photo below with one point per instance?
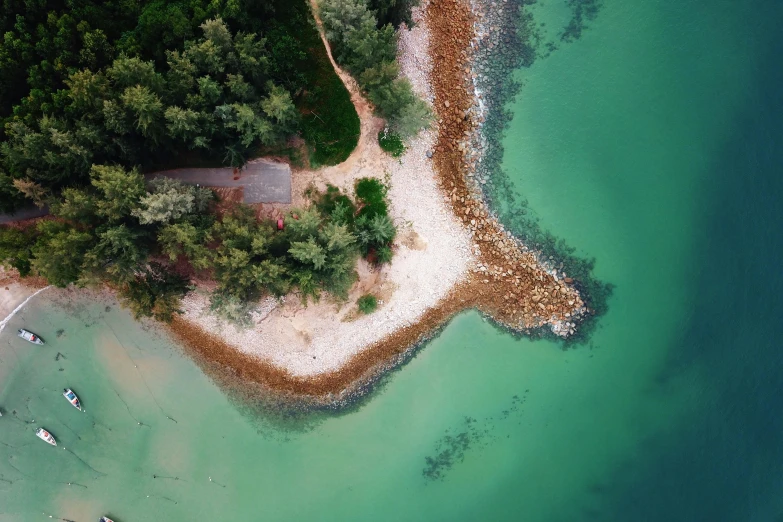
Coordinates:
(279, 224)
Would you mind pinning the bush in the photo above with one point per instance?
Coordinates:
(368, 51)
(367, 304)
(371, 194)
(155, 292)
(232, 309)
(391, 143)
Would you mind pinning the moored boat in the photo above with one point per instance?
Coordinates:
(45, 436)
(72, 398)
(27, 335)
(105, 519)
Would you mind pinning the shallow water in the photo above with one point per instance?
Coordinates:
(654, 144)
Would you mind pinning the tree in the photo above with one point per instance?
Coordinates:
(154, 292)
(340, 17)
(366, 46)
(32, 191)
(15, 248)
(279, 107)
(76, 205)
(59, 252)
(186, 239)
(252, 56)
(308, 252)
(413, 117)
(118, 254)
(87, 90)
(120, 191)
(169, 200)
(128, 72)
(10, 198)
(182, 123)
(147, 107)
(301, 225)
(393, 12)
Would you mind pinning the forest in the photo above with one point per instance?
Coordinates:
(102, 93)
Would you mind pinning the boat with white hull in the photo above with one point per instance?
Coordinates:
(45, 436)
(29, 336)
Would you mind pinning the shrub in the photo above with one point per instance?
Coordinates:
(232, 309)
(384, 254)
(391, 142)
(367, 304)
(155, 292)
(371, 193)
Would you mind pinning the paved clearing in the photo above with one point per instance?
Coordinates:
(23, 213)
(264, 181)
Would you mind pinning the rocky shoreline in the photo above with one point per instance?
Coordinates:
(515, 288)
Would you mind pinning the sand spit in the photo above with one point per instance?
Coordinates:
(451, 253)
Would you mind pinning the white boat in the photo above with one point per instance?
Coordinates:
(105, 519)
(72, 398)
(29, 336)
(45, 436)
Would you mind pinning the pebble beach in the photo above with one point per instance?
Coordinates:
(451, 252)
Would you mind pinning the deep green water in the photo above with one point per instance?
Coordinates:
(654, 143)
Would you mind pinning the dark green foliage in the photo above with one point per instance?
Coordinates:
(158, 83)
(371, 195)
(329, 123)
(393, 12)
(59, 252)
(368, 51)
(10, 198)
(15, 248)
(155, 291)
(367, 304)
(370, 224)
(391, 143)
(337, 205)
(312, 254)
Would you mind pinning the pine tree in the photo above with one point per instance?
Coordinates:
(308, 252)
(120, 191)
(59, 252)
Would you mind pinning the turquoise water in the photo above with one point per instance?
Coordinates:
(653, 144)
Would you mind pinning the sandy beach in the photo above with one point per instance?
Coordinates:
(13, 292)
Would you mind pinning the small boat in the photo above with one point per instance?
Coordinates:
(72, 398)
(45, 436)
(29, 336)
(105, 519)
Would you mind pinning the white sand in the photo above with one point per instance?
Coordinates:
(13, 295)
(432, 252)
